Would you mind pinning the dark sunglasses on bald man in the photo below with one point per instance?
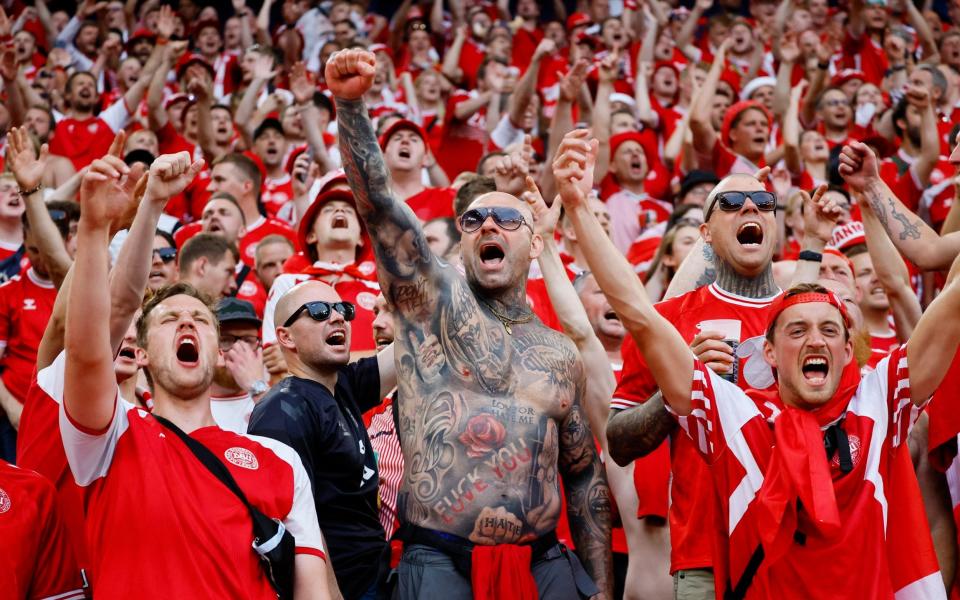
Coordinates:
(509, 219)
(320, 311)
(734, 201)
(165, 254)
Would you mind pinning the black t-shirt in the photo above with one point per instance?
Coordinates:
(328, 434)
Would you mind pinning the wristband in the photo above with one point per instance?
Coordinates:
(823, 66)
(30, 192)
(810, 255)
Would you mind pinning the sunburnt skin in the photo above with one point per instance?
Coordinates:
(488, 420)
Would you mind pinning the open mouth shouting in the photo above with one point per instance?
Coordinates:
(815, 369)
(127, 353)
(750, 234)
(337, 338)
(188, 352)
(339, 222)
(491, 254)
(404, 153)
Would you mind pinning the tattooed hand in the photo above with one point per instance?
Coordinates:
(496, 526)
(349, 73)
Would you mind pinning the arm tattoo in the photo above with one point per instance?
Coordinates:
(588, 496)
(910, 229)
(398, 239)
(636, 432)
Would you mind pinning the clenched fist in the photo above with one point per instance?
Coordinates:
(349, 73)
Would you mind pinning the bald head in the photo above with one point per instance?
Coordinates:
(502, 199)
(298, 295)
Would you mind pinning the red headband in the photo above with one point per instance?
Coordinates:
(785, 302)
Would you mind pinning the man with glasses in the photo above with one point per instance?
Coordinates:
(317, 410)
(239, 383)
(490, 400)
(163, 265)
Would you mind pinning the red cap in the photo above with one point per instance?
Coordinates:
(734, 111)
(731, 78)
(189, 59)
(204, 23)
(374, 48)
(848, 235)
(846, 75)
(645, 138)
(786, 301)
(397, 126)
(578, 19)
(325, 196)
(141, 34)
(175, 99)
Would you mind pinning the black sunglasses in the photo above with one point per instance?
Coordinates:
(320, 311)
(734, 201)
(509, 219)
(165, 254)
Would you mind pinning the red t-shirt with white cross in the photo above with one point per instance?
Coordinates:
(26, 303)
(276, 193)
(691, 492)
(83, 141)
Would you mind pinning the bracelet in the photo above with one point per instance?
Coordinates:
(823, 66)
(810, 255)
(30, 192)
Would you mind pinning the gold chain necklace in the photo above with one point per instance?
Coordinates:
(507, 321)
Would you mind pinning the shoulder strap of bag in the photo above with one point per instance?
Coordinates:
(209, 460)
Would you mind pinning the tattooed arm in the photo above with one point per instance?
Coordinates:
(637, 431)
(587, 493)
(913, 238)
(404, 259)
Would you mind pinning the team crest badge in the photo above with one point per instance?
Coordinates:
(854, 443)
(366, 300)
(5, 503)
(242, 458)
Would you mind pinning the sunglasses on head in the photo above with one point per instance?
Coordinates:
(165, 254)
(509, 219)
(734, 201)
(320, 311)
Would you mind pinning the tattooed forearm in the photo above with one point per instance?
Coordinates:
(635, 432)
(590, 514)
(885, 206)
(911, 229)
(398, 239)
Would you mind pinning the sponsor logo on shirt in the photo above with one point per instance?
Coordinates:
(29, 304)
(4, 502)
(248, 288)
(366, 300)
(242, 458)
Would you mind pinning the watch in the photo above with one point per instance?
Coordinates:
(259, 388)
(809, 255)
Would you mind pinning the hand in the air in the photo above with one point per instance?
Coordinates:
(349, 73)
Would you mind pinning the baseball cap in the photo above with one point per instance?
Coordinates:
(234, 310)
(268, 123)
(310, 215)
(193, 59)
(695, 178)
(730, 116)
(397, 126)
(578, 19)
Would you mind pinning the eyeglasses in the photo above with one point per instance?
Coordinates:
(835, 102)
(228, 341)
(320, 311)
(508, 219)
(734, 201)
(165, 254)
(418, 26)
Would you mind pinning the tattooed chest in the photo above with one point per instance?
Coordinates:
(485, 469)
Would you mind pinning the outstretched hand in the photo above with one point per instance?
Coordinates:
(544, 217)
(349, 73)
(573, 167)
(511, 169)
(858, 166)
(26, 166)
(107, 188)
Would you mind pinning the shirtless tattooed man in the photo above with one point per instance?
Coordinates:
(489, 408)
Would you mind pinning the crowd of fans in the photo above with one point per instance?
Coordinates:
(709, 156)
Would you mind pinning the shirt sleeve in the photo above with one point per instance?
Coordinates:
(636, 385)
(5, 322)
(364, 377)
(892, 378)
(117, 115)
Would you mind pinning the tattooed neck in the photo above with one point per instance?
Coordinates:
(760, 286)
(511, 303)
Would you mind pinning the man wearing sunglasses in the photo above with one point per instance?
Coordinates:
(490, 400)
(317, 410)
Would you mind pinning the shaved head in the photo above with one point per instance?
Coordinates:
(502, 199)
(308, 291)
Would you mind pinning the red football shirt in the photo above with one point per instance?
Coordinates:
(26, 303)
(36, 561)
(737, 440)
(256, 231)
(83, 141)
(276, 193)
(464, 142)
(143, 489)
(692, 493)
(433, 203)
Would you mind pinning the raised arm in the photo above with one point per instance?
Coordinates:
(573, 318)
(562, 122)
(89, 396)
(526, 86)
(819, 219)
(892, 273)
(704, 137)
(404, 259)
(929, 135)
(916, 240)
(791, 131)
(607, 72)
(667, 355)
